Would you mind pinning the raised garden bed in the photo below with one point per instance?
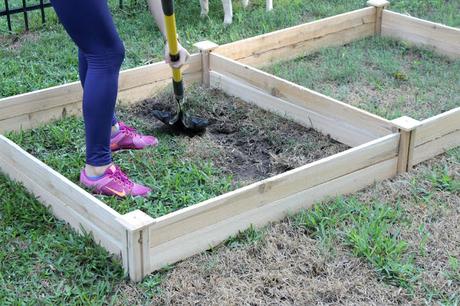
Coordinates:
(243, 145)
(384, 76)
(379, 148)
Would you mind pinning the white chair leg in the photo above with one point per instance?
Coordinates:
(245, 3)
(228, 11)
(269, 5)
(204, 7)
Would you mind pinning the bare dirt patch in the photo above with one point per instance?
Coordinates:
(288, 267)
(243, 140)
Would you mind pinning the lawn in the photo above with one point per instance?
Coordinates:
(47, 57)
(383, 76)
(43, 262)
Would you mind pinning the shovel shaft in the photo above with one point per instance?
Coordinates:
(171, 35)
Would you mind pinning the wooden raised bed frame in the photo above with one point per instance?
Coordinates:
(380, 148)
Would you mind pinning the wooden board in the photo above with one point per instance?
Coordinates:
(339, 113)
(67, 201)
(443, 39)
(207, 235)
(438, 126)
(273, 189)
(435, 147)
(29, 110)
(291, 42)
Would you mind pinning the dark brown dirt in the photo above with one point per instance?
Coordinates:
(243, 140)
(287, 267)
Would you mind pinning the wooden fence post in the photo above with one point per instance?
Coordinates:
(138, 240)
(205, 48)
(379, 5)
(407, 128)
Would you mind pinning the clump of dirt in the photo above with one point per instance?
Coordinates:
(242, 139)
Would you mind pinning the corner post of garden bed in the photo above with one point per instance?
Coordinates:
(205, 48)
(407, 127)
(379, 5)
(136, 257)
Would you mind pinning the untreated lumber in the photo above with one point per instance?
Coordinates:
(137, 233)
(438, 126)
(436, 135)
(31, 109)
(441, 38)
(435, 147)
(292, 42)
(272, 189)
(379, 5)
(205, 47)
(206, 234)
(407, 128)
(67, 201)
(342, 121)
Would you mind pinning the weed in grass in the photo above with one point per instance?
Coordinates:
(368, 229)
(251, 235)
(441, 180)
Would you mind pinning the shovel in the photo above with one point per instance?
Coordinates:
(181, 120)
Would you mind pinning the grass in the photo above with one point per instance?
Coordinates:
(44, 262)
(47, 57)
(367, 229)
(383, 76)
(176, 181)
(379, 231)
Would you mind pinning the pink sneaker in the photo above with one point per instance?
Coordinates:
(127, 138)
(114, 183)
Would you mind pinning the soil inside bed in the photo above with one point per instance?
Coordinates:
(383, 76)
(243, 144)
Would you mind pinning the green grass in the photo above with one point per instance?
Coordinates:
(380, 75)
(177, 181)
(373, 230)
(47, 57)
(367, 229)
(44, 262)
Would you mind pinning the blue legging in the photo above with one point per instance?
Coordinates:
(100, 54)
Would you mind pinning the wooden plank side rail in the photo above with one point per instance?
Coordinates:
(196, 228)
(67, 201)
(274, 188)
(41, 106)
(436, 135)
(298, 40)
(342, 118)
(441, 38)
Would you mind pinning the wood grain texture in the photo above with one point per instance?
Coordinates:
(339, 112)
(273, 189)
(32, 109)
(67, 201)
(291, 42)
(443, 39)
(207, 235)
(437, 126)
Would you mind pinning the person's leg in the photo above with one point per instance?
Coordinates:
(82, 67)
(90, 25)
(82, 70)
